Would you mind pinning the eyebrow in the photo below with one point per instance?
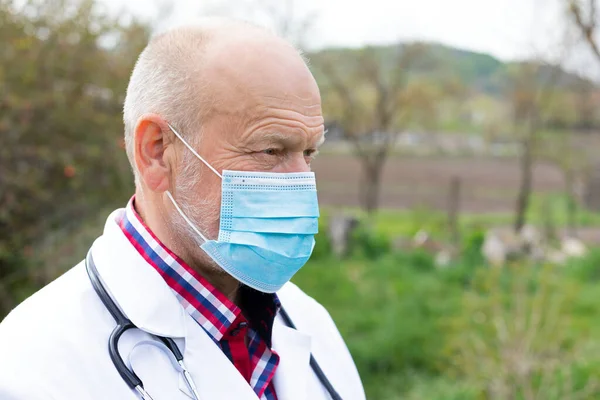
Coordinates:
(285, 139)
(322, 138)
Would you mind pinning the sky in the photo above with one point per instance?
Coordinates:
(507, 29)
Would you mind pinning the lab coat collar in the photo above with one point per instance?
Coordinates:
(294, 349)
(138, 289)
(290, 379)
(211, 370)
(146, 299)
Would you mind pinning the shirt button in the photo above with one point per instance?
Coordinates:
(237, 330)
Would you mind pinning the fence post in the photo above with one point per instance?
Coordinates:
(454, 209)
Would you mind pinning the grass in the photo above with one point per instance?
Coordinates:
(406, 322)
(394, 223)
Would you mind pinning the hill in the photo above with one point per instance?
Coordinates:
(480, 72)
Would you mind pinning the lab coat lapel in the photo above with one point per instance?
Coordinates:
(148, 302)
(146, 299)
(214, 375)
(140, 292)
(293, 348)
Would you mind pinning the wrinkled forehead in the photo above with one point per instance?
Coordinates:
(245, 75)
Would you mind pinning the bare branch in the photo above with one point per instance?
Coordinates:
(587, 29)
(371, 68)
(343, 91)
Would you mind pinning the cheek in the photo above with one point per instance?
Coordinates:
(199, 183)
(203, 212)
(207, 197)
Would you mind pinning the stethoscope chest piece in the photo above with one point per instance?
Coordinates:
(165, 344)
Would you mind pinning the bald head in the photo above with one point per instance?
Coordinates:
(242, 98)
(188, 74)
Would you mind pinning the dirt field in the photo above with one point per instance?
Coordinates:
(488, 185)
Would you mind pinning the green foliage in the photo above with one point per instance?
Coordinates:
(514, 338)
(412, 328)
(367, 242)
(471, 246)
(61, 92)
(418, 260)
(393, 223)
(587, 269)
(322, 243)
(378, 306)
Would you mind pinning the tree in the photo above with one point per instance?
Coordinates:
(570, 111)
(373, 98)
(64, 68)
(524, 99)
(282, 16)
(534, 92)
(583, 16)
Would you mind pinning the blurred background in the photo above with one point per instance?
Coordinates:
(459, 249)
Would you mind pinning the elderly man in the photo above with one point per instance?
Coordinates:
(186, 295)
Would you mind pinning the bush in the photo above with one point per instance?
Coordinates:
(587, 268)
(60, 122)
(367, 242)
(465, 332)
(513, 338)
(417, 259)
(322, 243)
(472, 245)
(389, 310)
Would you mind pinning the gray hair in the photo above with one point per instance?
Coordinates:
(167, 80)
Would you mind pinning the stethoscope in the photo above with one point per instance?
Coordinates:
(165, 343)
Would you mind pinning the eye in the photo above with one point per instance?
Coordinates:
(270, 152)
(310, 153)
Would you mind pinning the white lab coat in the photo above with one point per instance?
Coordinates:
(54, 345)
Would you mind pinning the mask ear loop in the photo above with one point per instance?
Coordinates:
(190, 223)
(194, 152)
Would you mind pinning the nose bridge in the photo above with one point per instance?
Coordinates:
(297, 163)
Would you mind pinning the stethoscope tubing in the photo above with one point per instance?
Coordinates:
(313, 362)
(124, 324)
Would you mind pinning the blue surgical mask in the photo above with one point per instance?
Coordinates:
(267, 228)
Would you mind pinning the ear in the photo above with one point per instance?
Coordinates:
(151, 146)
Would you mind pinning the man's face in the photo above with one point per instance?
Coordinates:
(266, 116)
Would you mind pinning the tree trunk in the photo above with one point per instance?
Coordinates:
(526, 165)
(592, 190)
(371, 184)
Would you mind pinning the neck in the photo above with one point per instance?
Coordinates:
(196, 259)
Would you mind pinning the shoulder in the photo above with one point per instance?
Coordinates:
(46, 335)
(310, 316)
(327, 343)
(46, 321)
(304, 310)
(52, 305)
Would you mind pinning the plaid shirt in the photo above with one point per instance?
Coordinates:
(217, 315)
